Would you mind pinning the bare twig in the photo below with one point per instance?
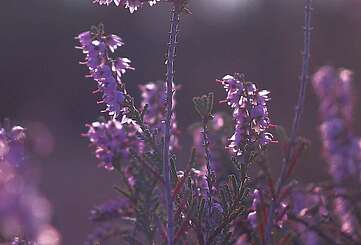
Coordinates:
(174, 25)
(304, 79)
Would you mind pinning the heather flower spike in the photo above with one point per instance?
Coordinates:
(250, 114)
(105, 70)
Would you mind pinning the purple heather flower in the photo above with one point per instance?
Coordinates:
(335, 92)
(153, 95)
(24, 211)
(103, 69)
(250, 113)
(12, 145)
(132, 5)
(112, 141)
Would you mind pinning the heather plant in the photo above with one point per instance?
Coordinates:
(212, 199)
(25, 213)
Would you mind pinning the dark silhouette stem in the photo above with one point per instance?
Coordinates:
(304, 79)
(174, 25)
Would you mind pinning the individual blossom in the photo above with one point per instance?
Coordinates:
(340, 146)
(154, 96)
(250, 114)
(132, 5)
(105, 70)
(112, 141)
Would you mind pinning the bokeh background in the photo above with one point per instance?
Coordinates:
(43, 88)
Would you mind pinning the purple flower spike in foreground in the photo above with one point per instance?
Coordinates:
(132, 5)
(112, 141)
(249, 112)
(106, 71)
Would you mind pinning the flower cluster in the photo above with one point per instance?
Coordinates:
(112, 141)
(154, 97)
(132, 5)
(341, 147)
(24, 211)
(107, 72)
(249, 111)
(12, 145)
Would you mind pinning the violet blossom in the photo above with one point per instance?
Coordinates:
(250, 113)
(24, 211)
(112, 141)
(107, 72)
(341, 147)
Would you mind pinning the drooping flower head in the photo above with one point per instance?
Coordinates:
(112, 141)
(106, 71)
(132, 5)
(250, 113)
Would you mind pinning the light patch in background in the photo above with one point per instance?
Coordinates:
(223, 10)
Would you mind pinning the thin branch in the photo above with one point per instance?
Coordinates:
(174, 25)
(304, 79)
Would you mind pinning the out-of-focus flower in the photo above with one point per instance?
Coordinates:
(107, 72)
(24, 212)
(112, 141)
(132, 5)
(219, 130)
(339, 143)
(249, 112)
(154, 95)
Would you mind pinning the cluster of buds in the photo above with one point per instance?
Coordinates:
(249, 112)
(106, 71)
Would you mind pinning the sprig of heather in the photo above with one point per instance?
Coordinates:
(304, 79)
(106, 71)
(112, 141)
(132, 5)
(341, 147)
(250, 114)
(21, 200)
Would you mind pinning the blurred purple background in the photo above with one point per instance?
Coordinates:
(43, 88)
